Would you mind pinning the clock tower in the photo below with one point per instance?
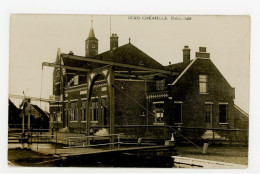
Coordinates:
(91, 43)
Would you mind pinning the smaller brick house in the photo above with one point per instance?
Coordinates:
(124, 89)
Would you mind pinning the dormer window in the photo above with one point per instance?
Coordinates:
(160, 85)
(203, 84)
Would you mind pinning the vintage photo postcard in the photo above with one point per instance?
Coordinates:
(129, 91)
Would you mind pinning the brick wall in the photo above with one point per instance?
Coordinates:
(187, 90)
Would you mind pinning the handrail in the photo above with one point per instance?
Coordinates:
(81, 138)
(94, 136)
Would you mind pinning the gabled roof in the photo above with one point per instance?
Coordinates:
(43, 113)
(178, 67)
(129, 54)
(182, 68)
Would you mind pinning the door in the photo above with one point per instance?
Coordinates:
(208, 115)
(104, 111)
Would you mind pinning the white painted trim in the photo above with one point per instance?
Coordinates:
(180, 102)
(83, 92)
(56, 105)
(158, 102)
(223, 123)
(208, 103)
(74, 100)
(202, 58)
(74, 121)
(82, 99)
(158, 124)
(183, 72)
(94, 122)
(223, 103)
(170, 98)
(103, 96)
(57, 83)
(82, 121)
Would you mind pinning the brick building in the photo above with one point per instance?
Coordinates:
(124, 87)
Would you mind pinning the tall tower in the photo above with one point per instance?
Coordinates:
(91, 43)
(57, 76)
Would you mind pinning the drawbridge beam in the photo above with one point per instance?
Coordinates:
(87, 59)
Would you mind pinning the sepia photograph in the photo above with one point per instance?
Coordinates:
(145, 91)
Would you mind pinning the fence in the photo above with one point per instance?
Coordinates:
(162, 132)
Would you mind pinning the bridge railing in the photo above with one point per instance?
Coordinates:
(82, 141)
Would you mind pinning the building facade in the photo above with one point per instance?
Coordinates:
(123, 90)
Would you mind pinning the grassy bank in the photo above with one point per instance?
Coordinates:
(236, 155)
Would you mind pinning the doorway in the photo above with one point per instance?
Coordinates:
(208, 115)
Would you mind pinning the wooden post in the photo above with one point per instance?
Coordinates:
(88, 118)
(213, 137)
(205, 148)
(112, 106)
(29, 117)
(23, 122)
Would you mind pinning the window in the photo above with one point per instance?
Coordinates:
(223, 113)
(203, 83)
(94, 111)
(178, 112)
(208, 113)
(158, 111)
(74, 111)
(83, 111)
(160, 84)
(67, 110)
(93, 46)
(58, 117)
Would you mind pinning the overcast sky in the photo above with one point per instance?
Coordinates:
(35, 39)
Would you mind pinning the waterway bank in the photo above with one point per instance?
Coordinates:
(228, 154)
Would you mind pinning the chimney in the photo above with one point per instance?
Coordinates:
(113, 41)
(202, 53)
(71, 53)
(186, 54)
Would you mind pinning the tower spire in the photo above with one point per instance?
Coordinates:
(91, 43)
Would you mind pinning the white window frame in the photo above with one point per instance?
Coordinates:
(161, 113)
(74, 112)
(160, 85)
(83, 111)
(203, 81)
(92, 108)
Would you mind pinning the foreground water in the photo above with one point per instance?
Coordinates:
(19, 154)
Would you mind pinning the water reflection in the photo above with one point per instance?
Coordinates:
(33, 145)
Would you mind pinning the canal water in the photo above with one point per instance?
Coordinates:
(145, 158)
